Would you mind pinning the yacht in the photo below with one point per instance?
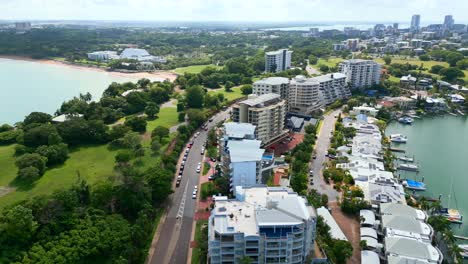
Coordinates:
(408, 167)
(398, 138)
(406, 158)
(406, 120)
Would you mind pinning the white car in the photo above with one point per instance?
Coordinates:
(198, 169)
(197, 134)
(199, 164)
(202, 151)
(195, 187)
(194, 196)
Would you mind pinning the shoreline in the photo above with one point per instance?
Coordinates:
(155, 76)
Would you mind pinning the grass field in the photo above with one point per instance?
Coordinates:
(236, 93)
(427, 64)
(94, 163)
(194, 68)
(198, 229)
(167, 117)
(330, 62)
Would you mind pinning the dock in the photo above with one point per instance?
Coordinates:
(461, 237)
(397, 150)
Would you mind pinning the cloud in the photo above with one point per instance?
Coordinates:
(234, 10)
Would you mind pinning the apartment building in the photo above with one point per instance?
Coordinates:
(278, 61)
(241, 155)
(103, 55)
(361, 73)
(266, 224)
(267, 112)
(332, 87)
(304, 96)
(275, 85)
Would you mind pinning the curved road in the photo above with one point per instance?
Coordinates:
(174, 232)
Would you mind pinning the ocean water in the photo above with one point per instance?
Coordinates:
(27, 86)
(440, 148)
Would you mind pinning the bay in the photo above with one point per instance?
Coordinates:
(27, 86)
(440, 148)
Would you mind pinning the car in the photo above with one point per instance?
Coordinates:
(211, 177)
(180, 173)
(199, 164)
(194, 192)
(185, 158)
(213, 159)
(314, 157)
(187, 150)
(194, 196)
(197, 134)
(202, 151)
(198, 169)
(183, 163)
(177, 184)
(210, 120)
(195, 187)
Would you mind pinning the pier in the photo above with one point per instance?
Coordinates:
(397, 150)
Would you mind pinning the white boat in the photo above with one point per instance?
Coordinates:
(464, 250)
(398, 138)
(406, 158)
(414, 185)
(406, 120)
(408, 167)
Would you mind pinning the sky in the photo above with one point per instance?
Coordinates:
(431, 11)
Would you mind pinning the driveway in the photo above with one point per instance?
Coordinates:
(321, 147)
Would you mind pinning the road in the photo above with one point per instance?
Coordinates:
(173, 239)
(321, 147)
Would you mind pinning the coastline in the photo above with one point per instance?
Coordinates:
(158, 75)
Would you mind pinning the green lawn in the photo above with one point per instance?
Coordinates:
(94, 163)
(194, 68)
(427, 64)
(167, 117)
(330, 62)
(236, 93)
(196, 252)
(206, 168)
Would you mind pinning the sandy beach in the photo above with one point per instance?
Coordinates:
(154, 76)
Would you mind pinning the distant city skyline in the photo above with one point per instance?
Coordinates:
(431, 11)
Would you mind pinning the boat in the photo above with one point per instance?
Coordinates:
(464, 250)
(453, 215)
(406, 158)
(406, 120)
(398, 138)
(414, 185)
(408, 167)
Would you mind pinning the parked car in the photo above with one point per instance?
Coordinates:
(210, 120)
(202, 151)
(194, 196)
(198, 169)
(177, 184)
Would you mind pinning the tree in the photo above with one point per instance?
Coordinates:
(17, 224)
(196, 117)
(451, 74)
(181, 117)
(454, 57)
(228, 86)
(246, 89)
(313, 59)
(436, 69)
(136, 123)
(155, 147)
(55, 154)
(40, 135)
(32, 160)
(5, 127)
(160, 132)
(131, 140)
(340, 251)
(245, 260)
(37, 117)
(462, 64)
(195, 96)
(324, 68)
(151, 110)
(118, 131)
(387, 60)
(123, 156)
(143, 83)
(29, 173)
(424, 57)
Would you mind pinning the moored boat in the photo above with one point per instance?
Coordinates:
(398, 138)
(414, 185)
(464, 250)
(406, 158)
(453, 215)
(408, 167)
(406, 120)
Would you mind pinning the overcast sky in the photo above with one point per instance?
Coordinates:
(235, 10)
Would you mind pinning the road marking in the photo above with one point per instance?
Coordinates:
(180, 213)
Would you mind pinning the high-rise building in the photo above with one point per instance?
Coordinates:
(448, 22)
(266, 224)
(275, 85)
(395, 26)
(278, 61)
(415, 23)
(304, 96)
(332, 87)
(267, 112)
(360, 73)
(241, 155)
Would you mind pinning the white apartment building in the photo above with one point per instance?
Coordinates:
(103, 55)
(266, 224)
(332, 87)
(241, 155)
(304, 96)
(275, 85)
(278, 61)
(267, 112)
(361, 73)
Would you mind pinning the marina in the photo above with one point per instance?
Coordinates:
(439, 147)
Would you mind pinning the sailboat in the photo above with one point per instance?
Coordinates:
(453, 215)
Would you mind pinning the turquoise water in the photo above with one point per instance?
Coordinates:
(27, 86)
(440, 147)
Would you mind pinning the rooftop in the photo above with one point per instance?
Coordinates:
(369, 257)
(406, 223)
(410, 248)
(239, 130)
(335, 230)
(273, 81)
(245, 150)
(329, 77)
(260, 100)
(260, 206)
(402, 210)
